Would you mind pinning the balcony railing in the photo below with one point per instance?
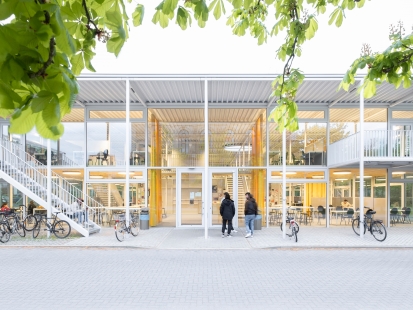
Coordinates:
(379, 144)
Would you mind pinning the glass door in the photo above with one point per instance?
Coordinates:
(189, 198)
(222, 181)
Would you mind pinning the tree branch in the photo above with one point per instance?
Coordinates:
(89, 19)
(52, 53)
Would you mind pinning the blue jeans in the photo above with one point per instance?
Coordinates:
(79, 216)
(249, 223)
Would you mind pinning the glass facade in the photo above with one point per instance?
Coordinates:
(166, 159)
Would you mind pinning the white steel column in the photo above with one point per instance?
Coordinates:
(361, 199)
(284, 191)
(127, 152)
(49, 182)
(206, 206)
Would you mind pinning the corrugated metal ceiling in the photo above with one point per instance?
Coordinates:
(187, 91)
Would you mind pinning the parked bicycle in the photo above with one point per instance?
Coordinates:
(60, 228)
(292, 228)
(375, 227)
(121, 228)
(297, 228)
(4, 233)
(11, 222)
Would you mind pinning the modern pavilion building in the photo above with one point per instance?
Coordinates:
(184, 140)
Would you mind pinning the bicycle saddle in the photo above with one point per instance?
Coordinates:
(370, 212)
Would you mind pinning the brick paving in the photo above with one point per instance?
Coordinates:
(193, 238)
(108, 278)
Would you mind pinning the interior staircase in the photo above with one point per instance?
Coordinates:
(102, 193)
(29, 176)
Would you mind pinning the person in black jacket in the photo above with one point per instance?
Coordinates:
(227, 211)
(250, 212)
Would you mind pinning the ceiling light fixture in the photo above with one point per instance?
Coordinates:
(96, 177)
(237, 148)
(318, 177)
(366, 176)
(341, 172)
(72, 172)
(398, 172)
(124, 173)
(341, 179)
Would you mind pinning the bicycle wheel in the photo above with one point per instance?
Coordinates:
(378, 231)
(297, 228)
(4, 234)
(294, 232)
(29, 222)
(356, 226)
(36, 230)
(20, 229)
(120, 231)
(61, 229)
(134, 228)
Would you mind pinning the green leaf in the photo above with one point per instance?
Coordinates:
(333, 16)
(77, 63)
(160, 18)
(43, 99)
(339, 19)
(49, 132)
(22, 121)
(369, 88)
(51, 113)
(64, 40)
(182, 18)
(138, 14)
(169, 6)
(115, 23)
(115, 44)
(7, 9)
(312, 28)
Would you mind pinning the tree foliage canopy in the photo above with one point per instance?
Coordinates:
(45, 44)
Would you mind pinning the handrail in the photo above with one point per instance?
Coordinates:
(61, 188)
(18, 149)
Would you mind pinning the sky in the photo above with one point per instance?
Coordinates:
(215, 50)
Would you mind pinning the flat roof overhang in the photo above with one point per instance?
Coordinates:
(250, 90)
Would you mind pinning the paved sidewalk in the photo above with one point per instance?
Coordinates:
(190, 238)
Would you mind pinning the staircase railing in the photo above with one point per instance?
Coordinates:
(18, 149)
(25, 169)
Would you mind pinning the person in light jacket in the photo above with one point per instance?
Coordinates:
(250, 212)
(227, 211)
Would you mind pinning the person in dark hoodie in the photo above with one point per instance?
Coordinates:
(227, 211)
(250, 212)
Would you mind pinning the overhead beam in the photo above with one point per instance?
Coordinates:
(140, 99)
(343, 95)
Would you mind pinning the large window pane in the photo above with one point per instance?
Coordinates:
(237, 137)
(306, 146)
(106, 144)
(176, 137)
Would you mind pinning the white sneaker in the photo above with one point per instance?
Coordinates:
(248, 235)
(252, 236)
(229, 236)
(223, 235)
(234, 231)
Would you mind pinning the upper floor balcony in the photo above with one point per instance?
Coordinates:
(379, 145)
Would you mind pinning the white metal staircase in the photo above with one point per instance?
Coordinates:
(29, 176)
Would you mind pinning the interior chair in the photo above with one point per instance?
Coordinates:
(406, 215)
(310, 214)
(321, 213)
(347, 216)
(105, 157)
(394, 216)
